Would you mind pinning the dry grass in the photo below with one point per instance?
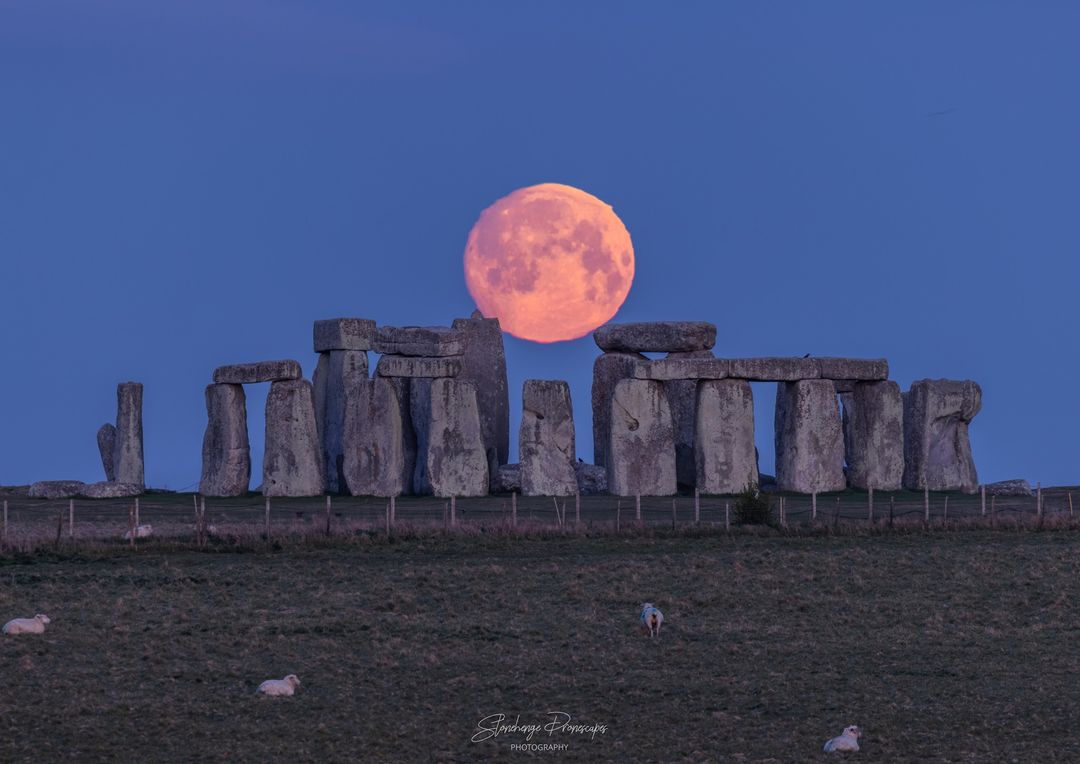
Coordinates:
(949, 647)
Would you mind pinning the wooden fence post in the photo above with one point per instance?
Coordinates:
(836, 513)
(870, 505)
(453, 511)
(673, 515)
(993, 507)
(393, 511)
(6, 527)
(697, 507)
(926, 503)
(946, 520)
(71, 519)
(131, 526)
(727, 516)
(892, 506)
(813, 505)
(136, 510)
(202, 520)
(1038, 501)
(327, 514)
(637, 507)
(618, 516)
(982, 500)
(267, 518)
(513, 508)
(5, 512)
(577, 509)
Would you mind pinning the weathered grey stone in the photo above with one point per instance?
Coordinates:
(56, 489)
(641, 454)
(128, 446)
(106, 443)
(847, 422)
(111, 490)
(343, 334)
(546, 439)
(328, 388)
(591, 479)
(420, 426)
(860, 369)
(507, 479)
(456, 461)
(809, 437)
(419, 340)
(415, 366)
(773, 369)
(1016, 487)
(608, 369)
(260, 371)
(484, 364)
(403, 390)
(937, 451)
(874, 436)
(374, 458)
(656, 337)
(226, 454)
(682, 367)
(293, 463)
(724, 440)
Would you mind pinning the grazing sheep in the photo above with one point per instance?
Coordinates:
(35, 625)
(848, 740)
(141, 532)
(286, 686)
(651, 619)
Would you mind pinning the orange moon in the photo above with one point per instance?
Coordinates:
(551, 262)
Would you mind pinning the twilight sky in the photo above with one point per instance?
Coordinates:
(188, 184)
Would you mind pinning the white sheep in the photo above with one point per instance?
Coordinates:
(35, 625)
(141, 532)
(286, 686)
(847, 741)
(651, 619)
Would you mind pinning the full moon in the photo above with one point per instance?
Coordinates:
(551, 262)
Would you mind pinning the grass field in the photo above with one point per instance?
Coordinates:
(955, 646)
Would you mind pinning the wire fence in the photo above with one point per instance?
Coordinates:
(28, 524)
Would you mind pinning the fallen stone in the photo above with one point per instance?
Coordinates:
(656, 337)
(874, 436)
(641, 454)
(1009, 488)
(809, 437)
(507, 479)
(111, 490)
(293, 463)
(431, 341)
(937, 450)
(343, 334)
(859, 369)
(591, 479)
(342, 368)
(484, 364)
(128, 445)
(724, 443)
(608, 369)
(415, 366)
(546, 439)
(56, 489)
(260, 371)
(374, 459)
(456, 461)
(680, 368)
(106, 442)
(773, 369)
(226, 454)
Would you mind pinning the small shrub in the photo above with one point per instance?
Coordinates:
(752, 507)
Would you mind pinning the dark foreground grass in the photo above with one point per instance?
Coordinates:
(952, 647)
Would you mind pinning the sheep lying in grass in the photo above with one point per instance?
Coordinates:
(651, 619)
(141, 532)
(286, 686)
(847, 741)
(35, 625)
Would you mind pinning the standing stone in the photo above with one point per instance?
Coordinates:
(402, 390)
(607, 371)
(847, 422)
(546, 439)
(682, 397)
(484, 364)
(106, 443)
(420, 425)
(374, 459)
(874, 436)
(809, 437)
(128, 448)
(641, 453)
(329, 395)
(456, 461)
(937, 451)
(293, 462)
(226, 455)
(725, 457)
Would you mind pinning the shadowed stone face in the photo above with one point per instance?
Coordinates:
(546, 439)
(809, 437)
(293, 462)
(484, 364)
(608, 369)
(331, 377)
(128, 446)
(226, 455)
(874, 435)
(641, 455)
(726, 460)
(106, 440)
(937, 451)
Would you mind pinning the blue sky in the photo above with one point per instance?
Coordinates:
(188, 184)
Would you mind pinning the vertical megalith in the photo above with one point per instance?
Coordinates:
(106, 443)
(420, 427)
(809, 437)
(641, 449)
(874, 435)
(226, 455)
(128, 445)
(682, 397)
(329, 392)
(724, 453)
(937, 450)
(608, 369)
(374, 459)
(484, 364)
(293, 460)
(546, 439)
(456, 459)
